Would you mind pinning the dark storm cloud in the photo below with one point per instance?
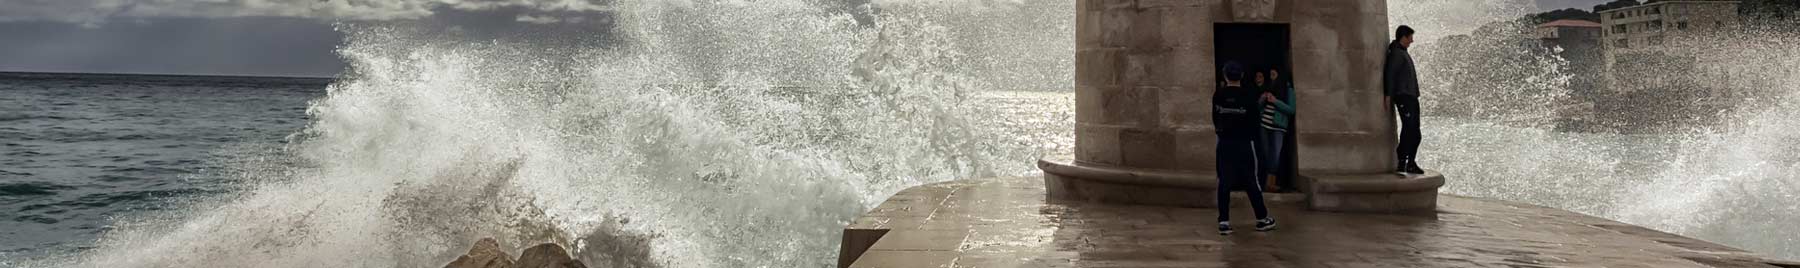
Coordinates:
(233, 46)
(90, 12)
(251, 37)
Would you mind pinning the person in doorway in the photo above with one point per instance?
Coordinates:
(1234, 120)
(1400, 82)
(1278, 106)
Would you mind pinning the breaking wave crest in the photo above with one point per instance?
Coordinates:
(1696, 138)
(711, 134)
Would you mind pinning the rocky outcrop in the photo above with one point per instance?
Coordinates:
(486, 253)
(548, 255)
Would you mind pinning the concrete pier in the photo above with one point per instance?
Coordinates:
(1009, 222)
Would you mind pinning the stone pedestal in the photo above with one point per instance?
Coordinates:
(1144, 79)
(1386, 193)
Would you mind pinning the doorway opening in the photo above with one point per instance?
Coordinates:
(1263, 47)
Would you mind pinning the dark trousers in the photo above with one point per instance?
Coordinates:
(1238, 169)
(1408, 108)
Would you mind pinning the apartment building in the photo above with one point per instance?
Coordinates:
(1650, 25)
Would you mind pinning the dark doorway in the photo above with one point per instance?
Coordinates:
(1261, 47)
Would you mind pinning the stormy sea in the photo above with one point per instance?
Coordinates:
(732, 134)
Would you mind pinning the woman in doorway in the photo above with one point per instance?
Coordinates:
(1278, 107)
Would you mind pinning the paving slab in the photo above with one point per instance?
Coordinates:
(1008, 222)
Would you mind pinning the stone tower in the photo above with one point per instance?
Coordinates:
(1144, 75)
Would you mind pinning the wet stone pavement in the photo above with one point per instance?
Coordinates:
(1007, 222)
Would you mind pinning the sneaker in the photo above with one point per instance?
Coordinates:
(1414, 169)
(1265, 225)
(1224, 228)
(1401, 168)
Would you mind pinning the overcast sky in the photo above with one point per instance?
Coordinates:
(235, 37)
(255, 37)
(1562, 4)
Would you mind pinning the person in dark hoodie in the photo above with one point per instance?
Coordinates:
(1236, 121)
(1400, 82)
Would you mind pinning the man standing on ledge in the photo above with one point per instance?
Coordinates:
(1400, 82)
(1236, 120)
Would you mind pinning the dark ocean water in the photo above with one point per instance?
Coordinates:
(79, 150)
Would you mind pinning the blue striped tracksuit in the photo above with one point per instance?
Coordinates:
(1237, 120)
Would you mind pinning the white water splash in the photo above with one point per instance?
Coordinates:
(744, 135)
(718, 134)
(1727, 176)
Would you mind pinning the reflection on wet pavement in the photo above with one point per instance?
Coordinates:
(1007, 222)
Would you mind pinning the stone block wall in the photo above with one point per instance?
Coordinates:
(1144, 81)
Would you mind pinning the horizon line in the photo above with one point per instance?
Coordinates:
(166, 74)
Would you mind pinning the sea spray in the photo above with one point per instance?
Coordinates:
(1711, 156)
(716, 134)
(1734, 179)
(736, 135)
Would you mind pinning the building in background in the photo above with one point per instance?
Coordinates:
(1578, 39)
(1651, 25)
(1636, 41)
(1631, 34)
(1570, 29)
(1660, 51)
(1578, 42)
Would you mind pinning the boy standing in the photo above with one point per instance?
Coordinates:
(1400, 82)
(1236, 121)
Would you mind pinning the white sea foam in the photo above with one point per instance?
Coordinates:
(716, 134)
(1724, 173)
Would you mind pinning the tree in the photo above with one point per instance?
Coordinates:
(1770, 9)
(1616, 4)
(1564, 14)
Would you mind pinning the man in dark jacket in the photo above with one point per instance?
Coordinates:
(1400, 82)
(1237, 121)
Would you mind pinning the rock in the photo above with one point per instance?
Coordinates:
(547, 255)
(485, 253)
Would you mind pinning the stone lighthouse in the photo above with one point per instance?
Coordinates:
(1145, 71)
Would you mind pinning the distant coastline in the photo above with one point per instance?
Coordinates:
(167, 79)
(11, 73)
